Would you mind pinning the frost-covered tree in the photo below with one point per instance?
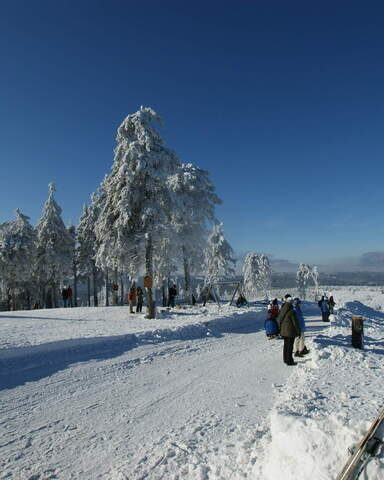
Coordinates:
(219, 261)
(17, 253)
(264, 280)
(87, 245)
(54, 250)
(138, 208)
(302, 276)
(251, 273)
(315, 278)
(197, 199)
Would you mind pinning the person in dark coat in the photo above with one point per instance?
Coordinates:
(289, 329)
(331, 304)
(140, 298)
(324, 307)
(64, 294)
(172, 292)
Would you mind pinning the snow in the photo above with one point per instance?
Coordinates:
(197, 393)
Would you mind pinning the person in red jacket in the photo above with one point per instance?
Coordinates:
(132, 296)
(70, 295)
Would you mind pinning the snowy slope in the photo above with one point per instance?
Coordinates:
(195, 394)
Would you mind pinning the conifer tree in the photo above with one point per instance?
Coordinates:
(219, 260)
(138, 207)
(251, 273)
(54, 250)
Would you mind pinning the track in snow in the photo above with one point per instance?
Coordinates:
(175, 410)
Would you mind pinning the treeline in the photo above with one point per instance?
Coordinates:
(151, 216)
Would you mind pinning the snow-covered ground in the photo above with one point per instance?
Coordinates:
(88, 393)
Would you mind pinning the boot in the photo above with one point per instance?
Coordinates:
(299, 354)
(305, 351)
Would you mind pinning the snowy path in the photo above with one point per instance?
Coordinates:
(180, 409)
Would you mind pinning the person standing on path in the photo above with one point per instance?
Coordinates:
(299, 346)
(332, 304)
(64, 294)
(140, 297)
(132, 297)
(289, 329)
(172, 292)
(70, 295)
(324, 307)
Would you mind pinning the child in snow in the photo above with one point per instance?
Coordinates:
(271, 326)
(299, 346)
(332, 304)
(132, 297)
(140, 298)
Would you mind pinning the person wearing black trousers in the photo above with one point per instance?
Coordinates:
(289, 329)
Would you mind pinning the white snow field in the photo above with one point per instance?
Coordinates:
(98, 393)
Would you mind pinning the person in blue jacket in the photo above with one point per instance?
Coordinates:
(299, 346)
(324, 307)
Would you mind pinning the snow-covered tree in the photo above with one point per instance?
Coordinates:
(54, 250)
(251, 273)
(264, 280)
(196, 197)
(17, 253)
(315, 278)
(302, 276)
(219, 261)
(87, 245)
(138, 210)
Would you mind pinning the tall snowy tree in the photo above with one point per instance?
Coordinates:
(219, 258)
(17, 252)
(302, 276)
(138, 211)
(197, 200)
(251, 273)
(54, 250)
(86, 250)
(264, 281)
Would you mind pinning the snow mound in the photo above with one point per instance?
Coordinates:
(328, 403)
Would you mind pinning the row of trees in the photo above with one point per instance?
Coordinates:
(150, 215)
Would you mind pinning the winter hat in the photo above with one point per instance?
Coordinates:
(297, 300)
(288, 297)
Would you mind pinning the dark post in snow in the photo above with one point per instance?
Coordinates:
(357, 332)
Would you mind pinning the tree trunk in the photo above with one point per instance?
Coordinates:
(149, 272)
(94, 275)
(106, 290)
(121, 290)
(187, 277)
(75, 283)
(164, 294)
(88, 291)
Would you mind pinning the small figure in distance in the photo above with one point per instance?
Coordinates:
(241, 301)
(172, 292)
(140, 298)
(332, 304)
(324, 307)
(270, 324)
(64, 294)
(132, 297)
(70, 295)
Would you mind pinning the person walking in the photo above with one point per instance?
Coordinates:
(299, 345)
(140, 298)
(331, 304)
(132, 295)
(172, 292)
(64, 294)
(289, 329)
(70, 295)
(324, 307)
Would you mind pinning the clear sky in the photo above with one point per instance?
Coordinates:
(282, 101)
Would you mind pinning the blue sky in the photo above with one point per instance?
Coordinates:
(283, 102)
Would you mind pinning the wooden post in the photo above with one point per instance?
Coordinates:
(357, 332)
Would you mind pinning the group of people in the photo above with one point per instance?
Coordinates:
(67, 295)
(135, 298)
(288, 323)
(326, 306)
